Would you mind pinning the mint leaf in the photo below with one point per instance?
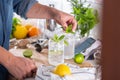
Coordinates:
(57, 38)
(69, 29)
(61, 37)
(66, 43)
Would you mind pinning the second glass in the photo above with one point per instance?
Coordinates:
(69, 49)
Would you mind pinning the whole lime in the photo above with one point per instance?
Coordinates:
(79, 58)
(27, 53)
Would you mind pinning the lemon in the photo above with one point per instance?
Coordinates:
(20, 32)
(62, 70)
(79, 58)
(27, 53)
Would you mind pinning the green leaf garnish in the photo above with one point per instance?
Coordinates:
(66, 43)
(69, 29)
(57, 39)
(61, 37)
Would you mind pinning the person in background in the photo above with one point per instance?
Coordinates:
(20, 67)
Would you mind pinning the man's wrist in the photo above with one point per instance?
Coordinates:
(5, 57)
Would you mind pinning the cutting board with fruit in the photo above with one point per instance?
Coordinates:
(41, 58)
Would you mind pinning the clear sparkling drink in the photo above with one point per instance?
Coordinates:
(55, 53)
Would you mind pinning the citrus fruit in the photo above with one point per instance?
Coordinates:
(79, 58)
(20, 32)
(62, 70)
(28, 26)
(33, 31)
(27, 53)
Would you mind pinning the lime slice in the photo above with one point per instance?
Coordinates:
(27, 53)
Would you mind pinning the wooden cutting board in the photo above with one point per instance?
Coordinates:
(42, 58)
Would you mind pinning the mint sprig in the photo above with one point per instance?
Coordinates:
(57, 39)
(69, 29)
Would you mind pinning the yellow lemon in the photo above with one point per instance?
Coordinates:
(62, 70)
(20, 32)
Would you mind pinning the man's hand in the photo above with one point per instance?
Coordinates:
(20, 67)
(65, 20)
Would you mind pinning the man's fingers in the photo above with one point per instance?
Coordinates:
(74, 25)
(30, 67)
(64, 25)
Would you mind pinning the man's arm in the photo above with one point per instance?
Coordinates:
(4, 56)
(41, 11)
(17, 66)
(33, 9)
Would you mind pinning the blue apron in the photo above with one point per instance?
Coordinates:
(6, 13)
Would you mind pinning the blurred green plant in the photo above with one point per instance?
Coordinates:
(86, 16)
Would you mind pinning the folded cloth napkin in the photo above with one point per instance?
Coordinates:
(45, 73)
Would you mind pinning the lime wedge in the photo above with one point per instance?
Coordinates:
(27, 53)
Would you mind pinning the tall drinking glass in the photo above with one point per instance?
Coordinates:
(42, 26)
(55, 52)
(69, 49)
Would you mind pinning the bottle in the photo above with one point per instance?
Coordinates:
(50, 23)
